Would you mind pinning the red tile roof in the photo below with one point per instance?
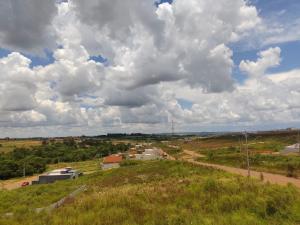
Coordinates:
(112, 159)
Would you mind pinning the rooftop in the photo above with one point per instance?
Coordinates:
(112, 159)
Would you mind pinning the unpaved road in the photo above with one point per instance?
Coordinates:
(268, 177)
(16, 183)
(193, 154)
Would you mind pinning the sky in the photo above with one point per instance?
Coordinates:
(92, 67)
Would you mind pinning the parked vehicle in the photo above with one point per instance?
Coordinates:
(25, 183)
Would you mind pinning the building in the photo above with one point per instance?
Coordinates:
(150, 154)
(58, 174)
(112, 161)
(291, 149)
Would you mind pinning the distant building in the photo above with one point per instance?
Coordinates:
(112, 161)
(58, 174)
(149, 154)
(291, 149)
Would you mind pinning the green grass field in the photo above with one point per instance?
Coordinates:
(88, 166)
(230, 150)
(265, 163)
(157, 192)
(9, 145)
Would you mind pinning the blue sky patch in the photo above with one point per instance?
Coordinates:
(185, 104)
(99, 59)
(35, 59)
(289, 59)
(158, 2)
(4, 52)
(41, 60)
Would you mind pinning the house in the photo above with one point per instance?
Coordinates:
(58, 174)
(112, 161)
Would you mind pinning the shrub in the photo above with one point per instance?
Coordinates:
(210, 155)
(129, 163)
(290, 170)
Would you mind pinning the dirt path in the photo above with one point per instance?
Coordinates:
(193, 154)
(16, 183)
(268, 177)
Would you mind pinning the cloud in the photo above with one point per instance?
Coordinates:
(130, 98)
(118, 18)
(171, 42)
(267, 59)
(25, 25)
(156, 56)
(18, 83)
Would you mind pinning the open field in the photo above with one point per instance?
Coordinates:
(157, 192)
(87, 167)
(268, 163)
(230, 150)
(272, 178)
(9, 145)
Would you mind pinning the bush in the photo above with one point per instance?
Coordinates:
(291, 170)
(210, 155)
(129, 163)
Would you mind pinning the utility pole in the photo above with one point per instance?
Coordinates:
(247, 152)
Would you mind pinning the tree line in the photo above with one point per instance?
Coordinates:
(35, 159)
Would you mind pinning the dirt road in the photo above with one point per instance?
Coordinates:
(268, 177)
(193, 154)
(16, 183)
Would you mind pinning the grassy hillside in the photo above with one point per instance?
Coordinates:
(159, 192)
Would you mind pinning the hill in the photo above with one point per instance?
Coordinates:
(156, 192)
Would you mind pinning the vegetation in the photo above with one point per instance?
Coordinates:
(171, 149)
(35, 159)
(10, 145)
(157, 192)
(87, 167)
(264, 151)
(285, 165)
(24, 200)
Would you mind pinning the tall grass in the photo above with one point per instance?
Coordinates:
(163, 192)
